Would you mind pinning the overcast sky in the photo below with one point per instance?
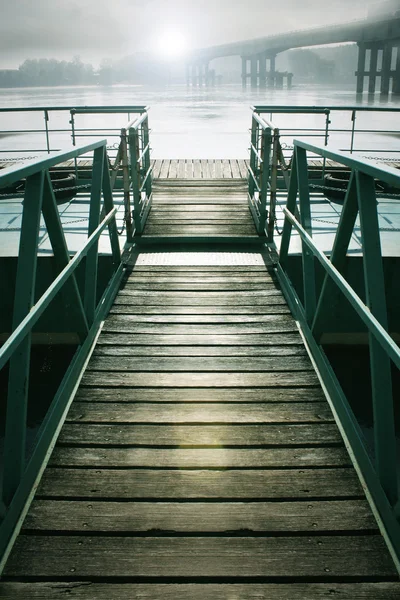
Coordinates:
(95, 29)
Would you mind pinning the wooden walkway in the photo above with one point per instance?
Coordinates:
(200, 210)
(200, 458)
(201, 168)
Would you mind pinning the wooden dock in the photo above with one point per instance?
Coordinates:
(200, 458)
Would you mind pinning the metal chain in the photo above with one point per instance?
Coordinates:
(64, 189)
(335, 189)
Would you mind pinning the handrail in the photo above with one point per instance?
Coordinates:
(266, 156)
(328, 131)
(310, 307)
(90, 305)
(133, 157)
(70, 125)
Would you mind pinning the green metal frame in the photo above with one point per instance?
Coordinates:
(266, 158)
(380, 474)
(140, 170)
(20, 475)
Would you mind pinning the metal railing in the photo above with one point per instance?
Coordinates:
(266, 158)
(59, 122)
(311, 310)
(90, 304)
(350, 139)
(133, 157)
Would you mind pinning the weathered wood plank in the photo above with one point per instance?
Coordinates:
(183, 395)
(193, 363)
(173, 169)
(140, 339)
(288, 557)
(183, 351)
(196, 413)
(181, 168)
(226, 169)
(191, 286)
(224, 270)
(270, 296)
(122, 309)
(243, 169)
(157, 168)
(115, 325)
(89, 434)
(205, 171)
(249, 517)
(199, 458)
(197, 169)
(215, 380)
(218, 168)
(164, 169)
(179, 230)
(235, 169)
(88, 590)
(173, 484)
(192, 319)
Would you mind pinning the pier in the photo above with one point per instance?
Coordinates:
(199, 446)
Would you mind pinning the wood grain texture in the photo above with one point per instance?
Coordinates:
(196, 484)
(244, 518)
(87, 434)
(192, 364)
(87, 590)
(261, 339)
(193, 394)
(287, 557)
(200, 379)
(199, 458)
(172, 413)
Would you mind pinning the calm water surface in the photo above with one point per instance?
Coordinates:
(188, 122)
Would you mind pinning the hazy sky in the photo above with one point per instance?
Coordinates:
(95, 29)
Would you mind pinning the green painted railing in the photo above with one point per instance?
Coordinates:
(351, 139)
(19, 473)
(266, 158)
(381, 472)
(59, 122)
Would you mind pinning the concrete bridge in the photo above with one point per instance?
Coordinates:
(374, 38)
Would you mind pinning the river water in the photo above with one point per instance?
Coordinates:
(190, 122)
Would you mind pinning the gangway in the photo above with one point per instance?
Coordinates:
(199, 444)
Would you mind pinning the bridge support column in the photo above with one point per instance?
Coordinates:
(272, 71)
(386, 69)
(361, 68)
(396, 74)
(262, 69)
(289, 81)
(244, 71)
(200, 67)
(254, 71)
(373, 64)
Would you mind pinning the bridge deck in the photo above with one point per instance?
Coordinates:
(200, 458)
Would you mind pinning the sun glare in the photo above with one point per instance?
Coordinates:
(171, 45)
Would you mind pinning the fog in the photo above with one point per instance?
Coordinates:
(95, 29)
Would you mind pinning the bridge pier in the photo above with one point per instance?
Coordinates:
(385, 72)
(260, 76)
(200, 74)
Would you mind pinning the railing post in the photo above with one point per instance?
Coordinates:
(46, 123)
(134, 153)
(94, 219)
(305, 215)
(353, 130)
(24, 296)
(108, 206)
(125, 175)
(146, 156)
(253, 158)
(274, 187)
(291, 206)
(381, 378)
